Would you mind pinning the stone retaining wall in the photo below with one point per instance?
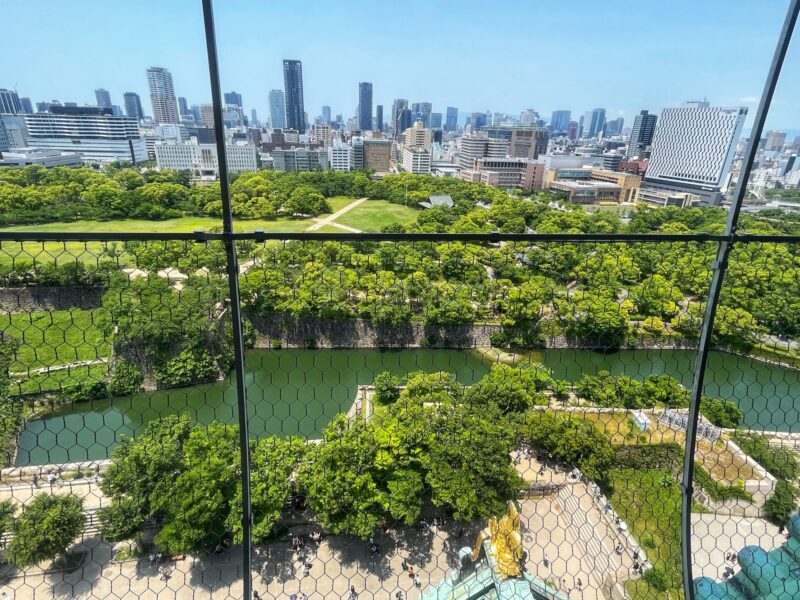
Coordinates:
(295, 332)
(36, 298)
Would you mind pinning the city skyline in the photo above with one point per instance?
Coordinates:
(331, 77)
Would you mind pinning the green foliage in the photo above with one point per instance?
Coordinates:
(512, 388)
(781, 462)
(607, 390)
(192, 365)
(597, 321)
(184, 477)
(667, 456)
(387, 388)
(10, 410)
(569, 440)
(657, 579)
(783, 502)
(8, 509)
(716, 490)
(722, 413)
(126, 380)
(87, 391)
(45, 529)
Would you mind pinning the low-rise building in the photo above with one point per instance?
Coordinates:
(24, 157)
(378, 155)
(521, 173)
(300, 159)
(340, 157)
(586, 185)
(659, 198)
(201, 159)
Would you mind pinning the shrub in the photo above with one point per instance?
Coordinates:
(88, 391)
(127, 379)
(778, 461)
(192, 365)
(656, 578)
(782, 503)
(716, 490)
(722, 413)
(276, 344)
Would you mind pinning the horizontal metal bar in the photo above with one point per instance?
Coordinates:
(200, 236)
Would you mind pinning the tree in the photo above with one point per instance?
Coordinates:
(45, 529)
(598, 321)
(512, 388)
(656, 297)
(733, 327)
(722, 413)
(387, 388)
(572, 441)
(305, 200)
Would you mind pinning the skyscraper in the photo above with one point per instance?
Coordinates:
(103, 98)
(775, 139)
(528, 116)
(9, 102)
(133, 105)
(293, 88)
(233, 98)
(644, 125)
(207, 115)
(403, 120)
(559, 121)
(693, 149)
(254, 118)
(277, 110)
(398, 105)
(183, 107)
(162, 95)
(365, 106)
(326, 115)
(436, 120)
(614, 126)
(26, 104)
(422, 111)
(379, 117)
(451, 119)
(594, 122)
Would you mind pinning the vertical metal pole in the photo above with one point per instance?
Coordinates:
(719, 268)
(233, 284)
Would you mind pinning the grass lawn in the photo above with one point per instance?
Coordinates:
(652, 511)
(339, 202)
(329, 229)
(374, 214)
(56, 337)
(184, 224)
(58, 380)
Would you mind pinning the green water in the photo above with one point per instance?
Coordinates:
(299, 391)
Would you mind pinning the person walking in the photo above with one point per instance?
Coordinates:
(546, 560)
(417, 582)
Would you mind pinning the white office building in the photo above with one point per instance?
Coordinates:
(340, 157)
(417, 160)
(201, 159)
(693, 148)
(92, 132)
(300, 159)
(321, 133)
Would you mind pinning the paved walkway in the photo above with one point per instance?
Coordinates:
(330, 219)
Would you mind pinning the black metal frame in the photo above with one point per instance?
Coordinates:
(725, 241)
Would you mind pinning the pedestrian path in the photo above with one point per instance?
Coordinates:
(330, 219)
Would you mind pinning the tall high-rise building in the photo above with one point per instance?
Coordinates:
(559, 121)
(528, 117)
(9, 102)
(26, 104)
(326, 115)
(277, 110)
(365, 106)
(478, 120)
(397, 106)
(293, 88)
(183, 107)
(103, 98)
(451, 119)
(644, 125)
(254, 118)
(572, 130)
(775, 140)
(614, 126)
(162, 95)
(197, 113)
(594, 122)
(403, 120)
(133, 105)
(379, 117)
(693, 149)
(233, 98)
(417, 136)
(436, 120)
(422, 111)
(479, 145)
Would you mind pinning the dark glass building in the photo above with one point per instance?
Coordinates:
(293, 89)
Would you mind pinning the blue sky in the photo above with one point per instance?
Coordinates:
(501, 55)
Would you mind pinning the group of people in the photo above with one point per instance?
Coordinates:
(410, 571)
